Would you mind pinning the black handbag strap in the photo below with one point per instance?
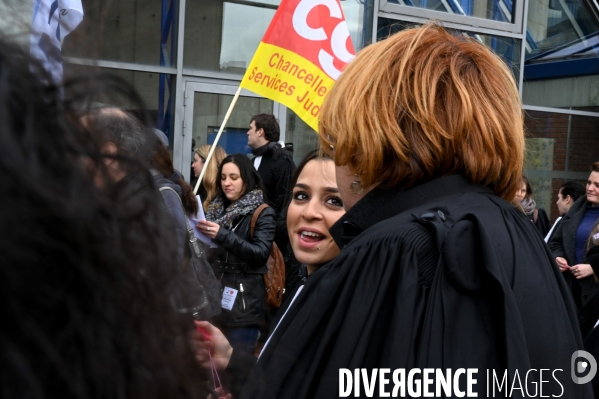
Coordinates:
(255, 216)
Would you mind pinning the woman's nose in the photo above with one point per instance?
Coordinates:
(311, 210)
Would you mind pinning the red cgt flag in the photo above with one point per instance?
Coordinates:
(304, 50)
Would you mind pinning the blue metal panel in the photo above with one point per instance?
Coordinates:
(561, 69)
(168, 26)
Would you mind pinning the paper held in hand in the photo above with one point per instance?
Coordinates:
(194, 221)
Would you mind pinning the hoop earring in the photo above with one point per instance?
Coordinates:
(356, 187)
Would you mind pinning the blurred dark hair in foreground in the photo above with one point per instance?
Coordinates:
(86, 264)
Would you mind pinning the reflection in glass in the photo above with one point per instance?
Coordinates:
(555, 23)
(209, 111)
(222, 36)
(505, 47)
(158, 99)
(303, 137)
(496, 10)
(575, 139)
(238, 45)
(558, 142)
(141, 32)
(561, 54)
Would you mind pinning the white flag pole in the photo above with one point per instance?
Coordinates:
(213, 145)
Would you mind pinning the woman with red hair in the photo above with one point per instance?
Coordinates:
(437, 268)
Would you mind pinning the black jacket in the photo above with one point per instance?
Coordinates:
(276, 171)
(494, 299)
(240, 260)
(563, 244)
(542, 222)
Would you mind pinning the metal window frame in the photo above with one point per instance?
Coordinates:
(181, 144)
(448, 24)
(128, 66)
(463, 20)
(566, 111)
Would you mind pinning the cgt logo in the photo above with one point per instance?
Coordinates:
(583, 367)
(338, 39)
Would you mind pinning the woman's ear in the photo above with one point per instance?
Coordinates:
(109, 149)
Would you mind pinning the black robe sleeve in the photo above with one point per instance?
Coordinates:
(239, 368)
(371, 321)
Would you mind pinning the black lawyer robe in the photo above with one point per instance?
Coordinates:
(496, 300)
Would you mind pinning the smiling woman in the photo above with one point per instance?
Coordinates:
(568, 242)
(314, 208)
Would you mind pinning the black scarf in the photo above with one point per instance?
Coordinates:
(272, 147)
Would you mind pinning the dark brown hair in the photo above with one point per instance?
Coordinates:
(161, 160)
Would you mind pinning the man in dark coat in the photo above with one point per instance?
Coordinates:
(273, 163)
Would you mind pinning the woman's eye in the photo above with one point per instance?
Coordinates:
(300, 196)
(335, 201)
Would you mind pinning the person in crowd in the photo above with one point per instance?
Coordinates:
(239, 262)
(568, 193)
(176, 193)
(589, 314)
(122, 137)
(569, 240)
(209, 184)
(86, 267)
(437, 268)
(192, 178)
(315, 206)
(524, 199)
(273, 163)
(161, 136)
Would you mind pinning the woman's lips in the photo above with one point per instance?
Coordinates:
(309, 238)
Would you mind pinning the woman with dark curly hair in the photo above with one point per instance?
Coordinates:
(87, 261)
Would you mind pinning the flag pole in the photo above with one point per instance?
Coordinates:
(213, 145)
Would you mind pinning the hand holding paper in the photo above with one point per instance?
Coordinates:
(194, 223)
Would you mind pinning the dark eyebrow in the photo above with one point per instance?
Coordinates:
(333, 190)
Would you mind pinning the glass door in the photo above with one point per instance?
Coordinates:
(205, 107)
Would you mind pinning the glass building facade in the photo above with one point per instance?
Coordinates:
(187, 57)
